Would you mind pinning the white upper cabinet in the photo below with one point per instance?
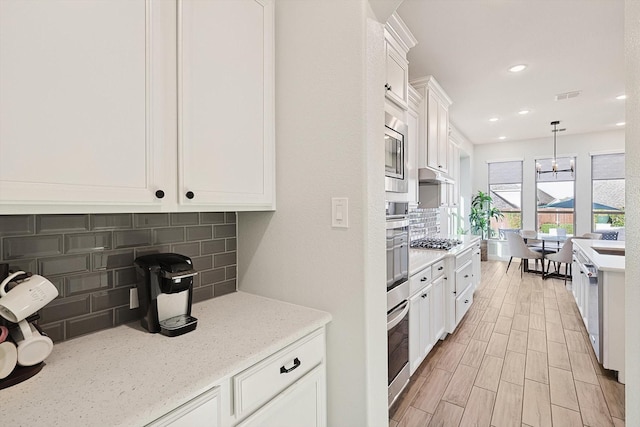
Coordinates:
(130, 105)
(86, 94)
(433, 144)
(397, 75)
(398, 41)
(226, 104)
(413, 126)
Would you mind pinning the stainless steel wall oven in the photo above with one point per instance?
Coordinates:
(397, 298)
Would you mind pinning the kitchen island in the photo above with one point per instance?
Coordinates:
(126, 376)
(598, 287)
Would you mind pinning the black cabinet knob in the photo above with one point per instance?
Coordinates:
(190, 195)
(159, 194)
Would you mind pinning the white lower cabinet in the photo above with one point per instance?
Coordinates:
(420, 335)
(286, 389)
(204, 410)
(477, 266)
(437, 309)
(302, 404)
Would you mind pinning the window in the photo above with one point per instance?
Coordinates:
(555, 196)
(505, 188)
(607, 194)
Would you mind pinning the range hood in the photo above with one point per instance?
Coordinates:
(429, 176)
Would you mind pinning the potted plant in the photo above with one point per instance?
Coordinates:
(480, 219)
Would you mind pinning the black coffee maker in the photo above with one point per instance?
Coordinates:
(165, 289)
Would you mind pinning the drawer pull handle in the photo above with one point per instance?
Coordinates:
(466, 275)
(440, 268)
(424, 279)
(296, 363)
(466, 301)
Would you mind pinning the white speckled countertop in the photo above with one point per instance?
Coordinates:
(126, 376)
(421, 258)
(603, 262)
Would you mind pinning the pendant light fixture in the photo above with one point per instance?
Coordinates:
(554, 163)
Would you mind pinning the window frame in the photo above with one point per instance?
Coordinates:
(520, 183)
(574, 180)
(593, 180)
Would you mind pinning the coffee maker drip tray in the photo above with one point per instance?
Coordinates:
(178, 325)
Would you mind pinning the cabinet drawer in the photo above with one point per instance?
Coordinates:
(437, 269)
(419, 280)
(464, 277)
(261, 382)
(464, 257)
(463, 302)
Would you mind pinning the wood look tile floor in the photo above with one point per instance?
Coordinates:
(520, 357)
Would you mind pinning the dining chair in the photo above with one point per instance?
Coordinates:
(563, 256)
(518, 249)
(592, 236)
(530, 237)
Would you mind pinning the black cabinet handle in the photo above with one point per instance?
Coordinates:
(440, 268)
(424, 295)
(454, 292)
(190, 195)
(424, 279)
(159, 194)
(466, 275)
(466, 301)
(296, 363)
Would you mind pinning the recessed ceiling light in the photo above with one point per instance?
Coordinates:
(502, 137)
(620, 124)
(493, 119)
(523, 112)
(517, 68)
(621, 97)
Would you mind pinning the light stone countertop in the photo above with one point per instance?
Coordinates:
(613, 263)
(126, 376)
(422, 258)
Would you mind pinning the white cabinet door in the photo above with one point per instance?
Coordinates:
(226, 104)
(477, 266)
(397, 83)
(443, 137)
(437, 309)
(433, 160)
(454, 172)
(87, 101)
(302, 404)
(420, 336)
(204, 410)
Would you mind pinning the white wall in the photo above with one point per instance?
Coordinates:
(632, 167)
(329, 133)
(581, 146)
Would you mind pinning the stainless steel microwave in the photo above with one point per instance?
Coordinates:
(395, 155)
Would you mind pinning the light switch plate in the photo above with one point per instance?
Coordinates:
(340, 212)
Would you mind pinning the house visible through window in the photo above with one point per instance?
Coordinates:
(505, 188)
(555, 196)
(608, 187)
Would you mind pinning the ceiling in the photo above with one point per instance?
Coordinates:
(568, 45)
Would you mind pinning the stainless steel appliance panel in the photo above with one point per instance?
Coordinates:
(398, 350)
(396, 177)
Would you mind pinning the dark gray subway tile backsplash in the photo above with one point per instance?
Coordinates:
(89, 258)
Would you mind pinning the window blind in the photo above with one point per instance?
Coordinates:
(607, 166)
(505, 172)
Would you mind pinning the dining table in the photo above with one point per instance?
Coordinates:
(547, 238)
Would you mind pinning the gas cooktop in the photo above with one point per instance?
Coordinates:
(438, 243)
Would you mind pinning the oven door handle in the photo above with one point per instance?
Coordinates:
(392, 321)
(397, 223)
